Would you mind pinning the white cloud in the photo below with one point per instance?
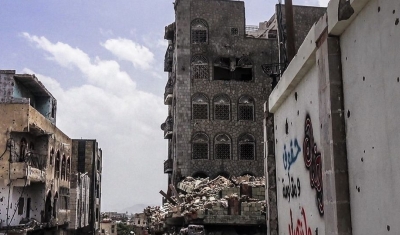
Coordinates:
(109, 107)
(125, 49)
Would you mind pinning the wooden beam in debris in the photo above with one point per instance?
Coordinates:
(168, 198)
(171, 186)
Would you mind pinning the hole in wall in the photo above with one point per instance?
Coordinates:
(348, 113)
(379, 9)
(388, 228)
(397, 21)
(394, 11)
(362, 159)
(298, 112)
(346, 57)
(398, 79)
(363, 78)
(286, 127)
(295, 96)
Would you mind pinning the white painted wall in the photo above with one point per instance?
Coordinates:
(295, 113)
(371, 70)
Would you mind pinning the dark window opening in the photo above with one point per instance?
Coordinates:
(22, 150)
(53, 109)
(222, 112)
(200, 67)
(246, 151)
(28, 208)
(55, 205)
(200, 151)
(57, 166)
(51, 156)
(21, 206)
(81, 156)
(200, 175)
(233, 69)
(199, 36)
(222, 147)
(246, 113)
(200, 111)
(199, 31)
(63, 167)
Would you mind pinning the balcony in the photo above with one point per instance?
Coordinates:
(168, 58)
(170, 32)
(167, 127)
(169, 89)
(30, 168)
(168, 165)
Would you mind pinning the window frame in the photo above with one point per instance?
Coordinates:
(246, 139)
(200, 138)
(246, 101)
(222, 99)
(222, 142)
(200, 99)
(198, 24)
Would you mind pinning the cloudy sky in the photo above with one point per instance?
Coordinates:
(103, 61)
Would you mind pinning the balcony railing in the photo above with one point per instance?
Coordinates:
(168, 165)
(169, 88)
(167, 127)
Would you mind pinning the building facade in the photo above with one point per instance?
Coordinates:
(79, 202)
(215, 91)
(336, 132)
(87, 159)
(108, 227)
(35, 161)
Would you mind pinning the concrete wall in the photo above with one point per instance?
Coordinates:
(370, 55)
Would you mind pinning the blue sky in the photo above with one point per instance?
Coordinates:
(103, 61)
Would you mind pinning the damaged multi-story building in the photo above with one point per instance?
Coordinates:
(35, 160)
(49, 184)
(87, 160)
(220, 74)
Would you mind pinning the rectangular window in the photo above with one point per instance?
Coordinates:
(222, 151)
(200, 71)
(200, 151)
(81, 156)
(221, 112)
(199, 36)
(28, 207)
(246, 112)
(200, 111)
(21, 206)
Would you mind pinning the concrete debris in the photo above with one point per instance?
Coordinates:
(221, 196)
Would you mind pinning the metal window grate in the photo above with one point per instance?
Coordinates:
(200, 151)
(200, 71)
(200, 111)
(246, 151)
(222, 112)
(222, 151)
(234, 31)
(199, 36)
(246, 112)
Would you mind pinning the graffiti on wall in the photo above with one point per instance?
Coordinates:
(301, 227)
(290, 155)
(292, 189)
(313, 162)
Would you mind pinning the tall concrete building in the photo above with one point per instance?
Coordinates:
(87, 159)
(215, 91)
(35, 160)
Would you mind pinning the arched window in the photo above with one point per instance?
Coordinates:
(51, 156)
(55, 205)
(222, 107)
(246, 144)
(246, 108)
(200, 67)
(63, 167)
(199, 28)
(22, 150)
(222, 147)
(68, 167)
(199, 106)
(57, 166)
(200, 146)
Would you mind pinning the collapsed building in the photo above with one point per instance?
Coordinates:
(217, 202)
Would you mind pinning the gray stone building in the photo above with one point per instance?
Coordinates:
(215, 92)
(87, 158)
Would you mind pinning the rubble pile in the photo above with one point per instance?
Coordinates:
(198, 198)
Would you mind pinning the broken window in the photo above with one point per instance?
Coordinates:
(20, 206)
(236, 69)
(199, 67)
(246, 108)
(246, 147)
(57, 166)
(199, 28)
(200, 146)
(199, 106)
(222, 107)
(222, 147)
